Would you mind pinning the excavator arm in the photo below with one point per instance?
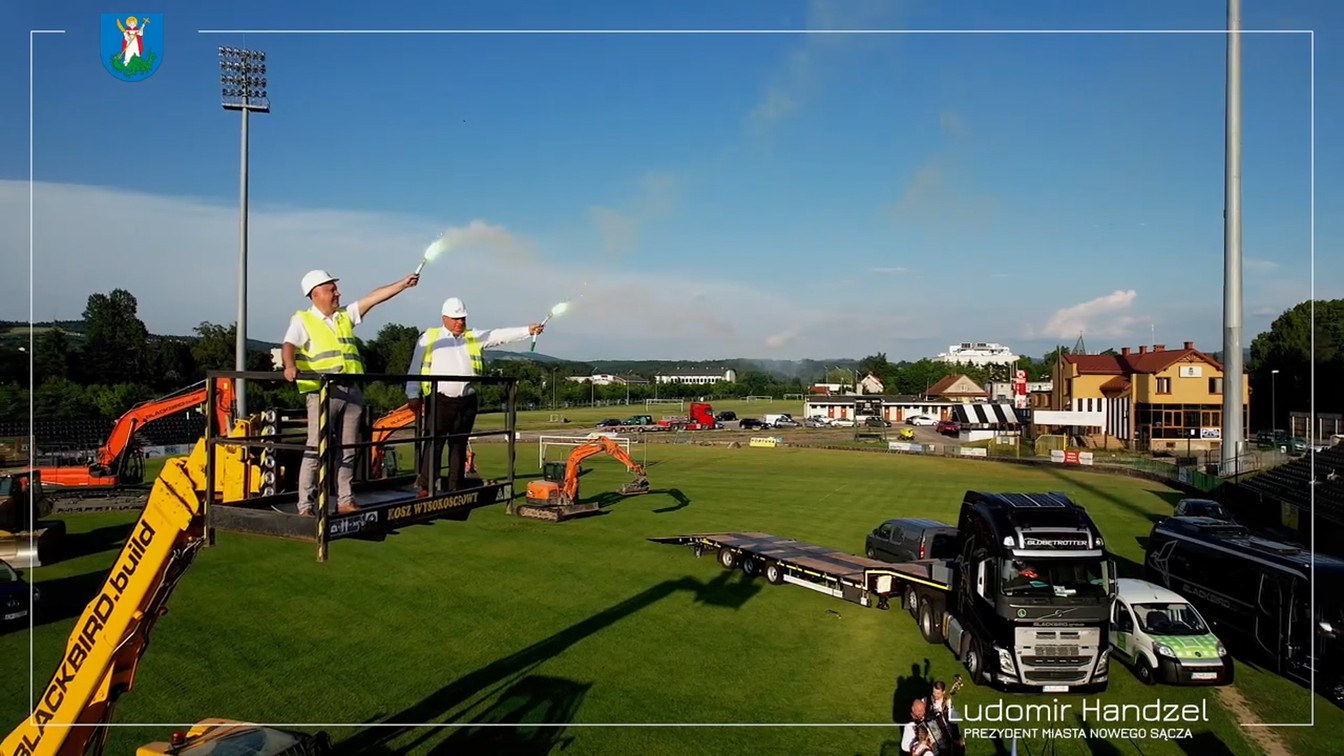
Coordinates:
(569, 490)
(147, 412)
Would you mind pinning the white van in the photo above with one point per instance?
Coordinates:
(1159, 635)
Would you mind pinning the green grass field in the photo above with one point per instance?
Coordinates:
(500, 619)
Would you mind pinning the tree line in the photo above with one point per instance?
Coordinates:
(108, 361)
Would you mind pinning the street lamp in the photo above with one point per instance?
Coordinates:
(242, 82)
(1273, 400)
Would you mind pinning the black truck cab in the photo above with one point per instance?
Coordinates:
(1031, 593)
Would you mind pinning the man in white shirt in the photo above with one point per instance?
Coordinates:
(321, 340)
(452, 349)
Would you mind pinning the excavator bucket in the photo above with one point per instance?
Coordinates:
(635, 487)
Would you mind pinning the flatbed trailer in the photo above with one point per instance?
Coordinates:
(853, 578)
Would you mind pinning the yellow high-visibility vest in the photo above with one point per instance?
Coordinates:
(328, 351)
(473, 351)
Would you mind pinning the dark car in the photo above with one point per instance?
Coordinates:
(610, 422)
(726, 416)
(909, 538)
(14, 595)
(751, 423)
(1203, 508)
(873, 421)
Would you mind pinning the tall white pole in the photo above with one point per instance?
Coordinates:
(1233, 430)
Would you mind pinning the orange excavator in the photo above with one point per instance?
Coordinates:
(556, 500)
(115, 463)
(385, 426)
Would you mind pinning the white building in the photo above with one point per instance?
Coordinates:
(977, 353)
(699, 376)
(608, 379)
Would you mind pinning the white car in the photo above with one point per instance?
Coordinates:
(1159, 635)
(920, 420)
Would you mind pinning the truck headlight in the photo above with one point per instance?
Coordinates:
(1103, 658)
(1006, 662)
(1163, 650)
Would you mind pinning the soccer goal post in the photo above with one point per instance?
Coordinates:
(681, 403)
(760, 399)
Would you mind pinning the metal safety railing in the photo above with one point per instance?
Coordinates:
(330, 447)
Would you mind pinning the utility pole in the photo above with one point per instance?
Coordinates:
(1233, 431)
(242, 80)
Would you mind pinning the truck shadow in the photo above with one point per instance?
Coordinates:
(454, 703)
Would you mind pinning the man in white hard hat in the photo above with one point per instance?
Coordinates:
(452, 349)
(321, 339)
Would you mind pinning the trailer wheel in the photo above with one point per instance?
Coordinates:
(727, 558)
(774, 573)
(929, 625)
(750, 567)
(912, 601)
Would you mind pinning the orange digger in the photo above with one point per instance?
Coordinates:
(116, 463)
(556, 500)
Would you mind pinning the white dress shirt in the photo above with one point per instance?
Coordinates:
(450, 357)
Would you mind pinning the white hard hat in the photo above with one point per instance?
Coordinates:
(453, 308)
(315, 278)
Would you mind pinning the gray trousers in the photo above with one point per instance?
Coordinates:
(345, 406)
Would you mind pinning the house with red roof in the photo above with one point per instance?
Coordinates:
(1159, 399)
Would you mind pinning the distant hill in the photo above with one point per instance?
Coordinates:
(14, 334)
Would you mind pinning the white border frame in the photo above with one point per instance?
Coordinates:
(793, 32)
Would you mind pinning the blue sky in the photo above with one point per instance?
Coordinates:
(695, 196)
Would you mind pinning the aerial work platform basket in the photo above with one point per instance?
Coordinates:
(271, 444)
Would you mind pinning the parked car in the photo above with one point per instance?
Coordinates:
(14, 595)
(726, 416)
(920, 420)
(751, 423)
(610, 422)
(1203, 508)
(873, 421)
(906, 539)
(1159, 635)
(949, 428)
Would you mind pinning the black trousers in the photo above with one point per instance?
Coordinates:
(451, 416)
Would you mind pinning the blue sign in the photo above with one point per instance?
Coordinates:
(132, 44)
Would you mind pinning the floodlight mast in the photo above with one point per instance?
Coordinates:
(242, 80)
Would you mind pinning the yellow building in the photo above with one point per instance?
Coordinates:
(1155, 399)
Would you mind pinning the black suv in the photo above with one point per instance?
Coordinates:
(910, 538)
(14, 594)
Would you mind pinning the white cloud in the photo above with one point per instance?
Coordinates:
(891, 270)
(179, 258)
(1104, 317)
(1260, 266)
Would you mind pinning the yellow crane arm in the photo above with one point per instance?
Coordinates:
(106, 645)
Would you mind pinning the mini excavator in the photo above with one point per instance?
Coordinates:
(557, 500)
